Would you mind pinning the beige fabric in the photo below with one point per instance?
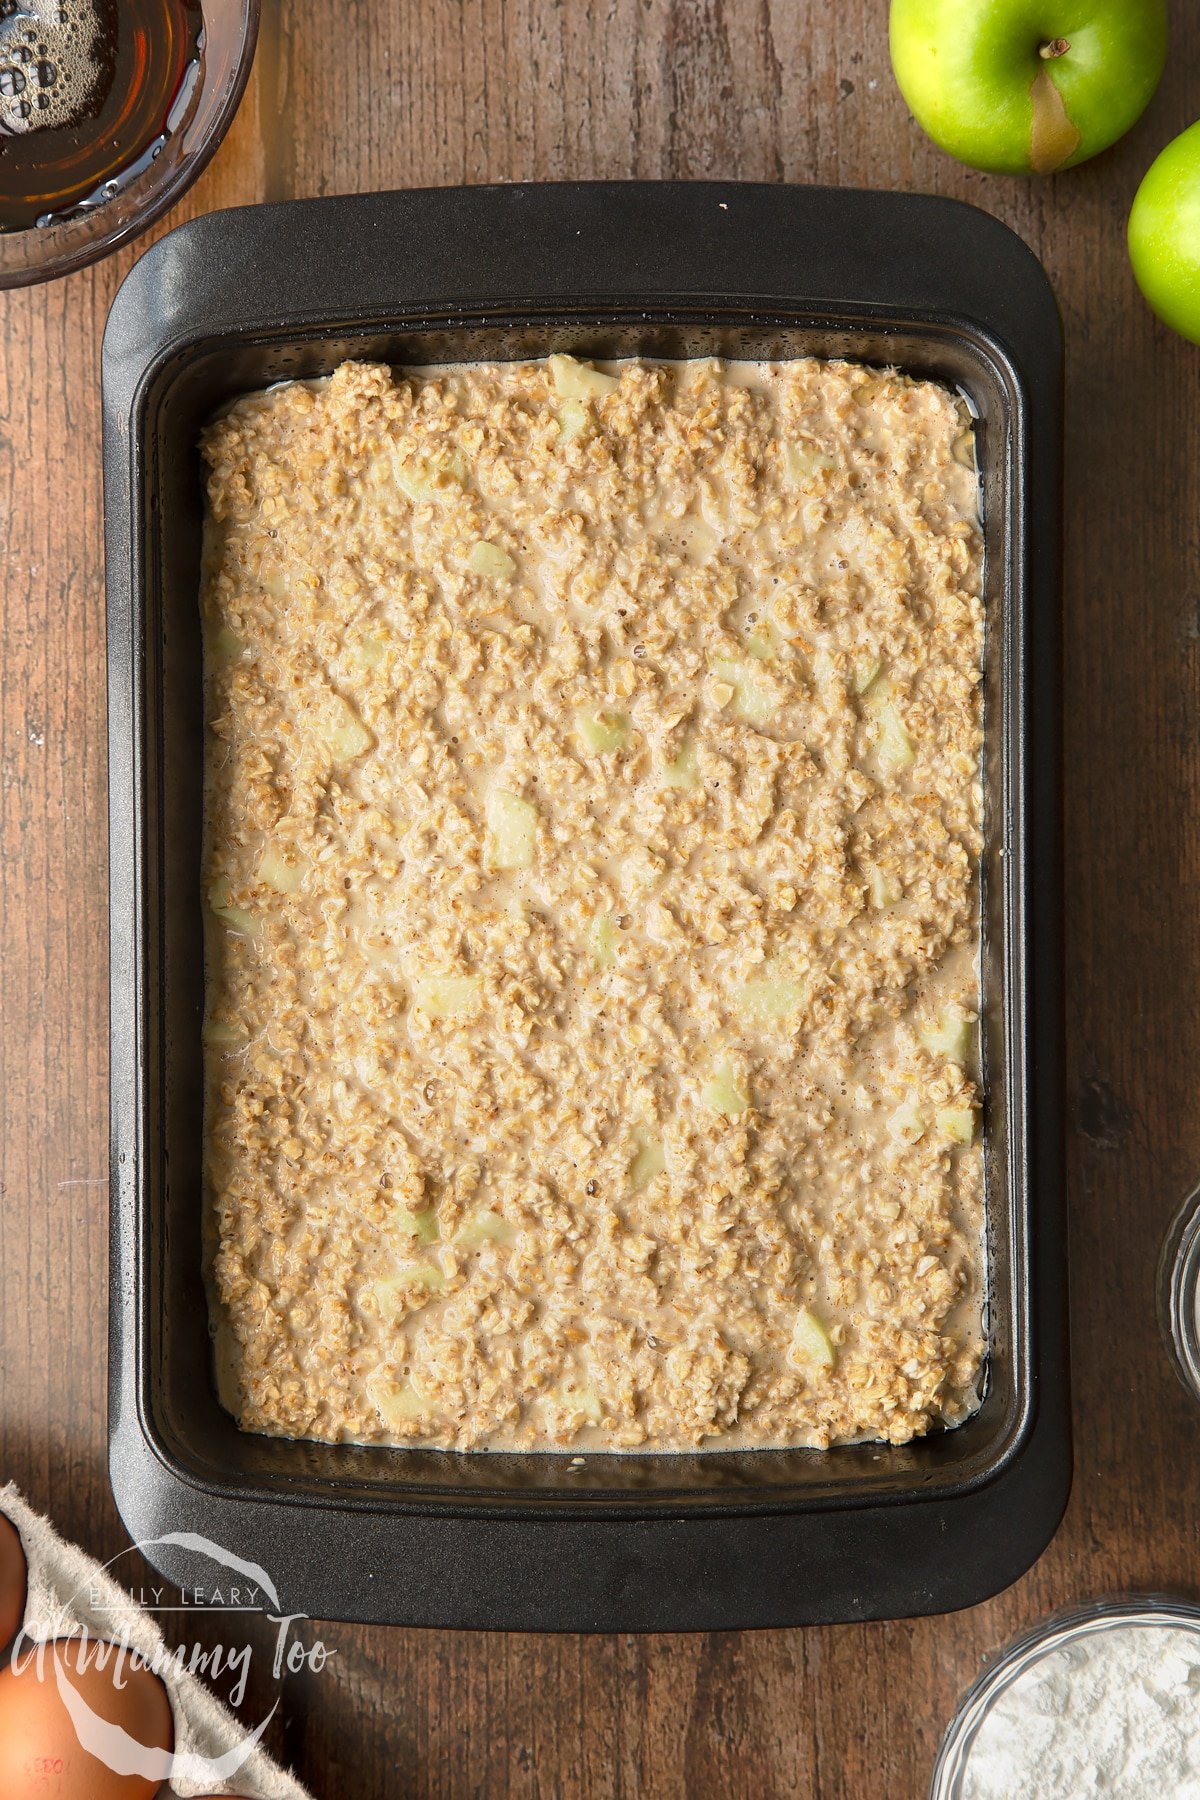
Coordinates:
(67, 1587)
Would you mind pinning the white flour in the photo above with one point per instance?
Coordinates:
(1115, 1713)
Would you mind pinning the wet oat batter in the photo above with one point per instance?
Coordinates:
(593, 823)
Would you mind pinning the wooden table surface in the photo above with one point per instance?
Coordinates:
(380, 93)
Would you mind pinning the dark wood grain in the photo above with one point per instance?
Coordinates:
(369, 95)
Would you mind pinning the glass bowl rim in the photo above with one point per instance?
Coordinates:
(1178, 1292)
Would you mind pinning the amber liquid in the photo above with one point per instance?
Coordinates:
(89, 92)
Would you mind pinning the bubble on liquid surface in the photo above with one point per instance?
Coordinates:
(51, 46)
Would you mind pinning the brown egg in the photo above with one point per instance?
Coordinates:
(41, 1756)
(13, 1579)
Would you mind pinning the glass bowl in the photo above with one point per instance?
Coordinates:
(1179, 1292)
(91, 230)
(1061, 1630)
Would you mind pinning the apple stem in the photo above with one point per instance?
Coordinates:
(1056, 47)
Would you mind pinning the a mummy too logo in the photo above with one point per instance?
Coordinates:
(98, 1654)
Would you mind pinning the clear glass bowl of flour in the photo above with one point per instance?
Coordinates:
(1179, 1292)
(1102, 1699)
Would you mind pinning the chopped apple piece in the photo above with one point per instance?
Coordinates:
(423, 1274)
(604, 941)
(601, 730)
(224, 1034)
(725, 1093)
(753, 701)
(950, 1037)
(956, 1124)
(394, 1293)
(486, 1227)
(491, 560)
(423, 1226)
(891, 739)
(761, 642)
(804, 461)
(866, 672)
(227, 645)
(423, 481)
(370, 652)
(649, 1159)
(414, 480)
(768, 998)
(698, 537)
(906, 1124)
(280, 872)
(812, 1346)
(578, 380)
(642, 869)
(884, 890)
(236, 917)
(895, 745)
(581, 1398)
(824, 668)
(683, 773)
(351, 741)
(389, 1298)
(512, 823)
(446, 996)
(345, 734)
(396, 1402)
(572, 420)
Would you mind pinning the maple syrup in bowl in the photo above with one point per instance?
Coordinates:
(109, 109)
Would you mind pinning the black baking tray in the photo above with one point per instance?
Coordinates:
(237, 300)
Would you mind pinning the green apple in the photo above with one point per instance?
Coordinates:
(1164, 234)
(1025, 87)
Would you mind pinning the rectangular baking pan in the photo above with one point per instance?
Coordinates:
(240, 299)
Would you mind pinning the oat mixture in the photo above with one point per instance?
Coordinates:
(593, 825)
